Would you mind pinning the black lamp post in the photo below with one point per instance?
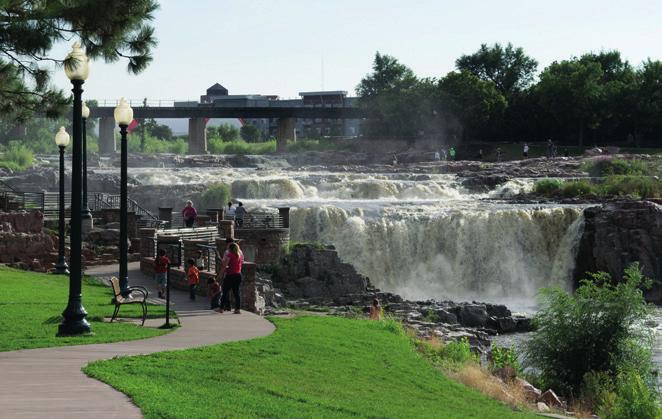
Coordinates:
(85, 213)
(62, 141)
(123, 116)
(74, 316)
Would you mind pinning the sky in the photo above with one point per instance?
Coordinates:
(284, 47)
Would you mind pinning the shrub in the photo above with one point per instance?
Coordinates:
(594, 329)
(218, 146)
(577, 188)
(608, 167)
(547, 186)
(17, 157)
(311, 145)
(217, 195)
(450, 355)
(635, 186)
(634, 399)
(504, 357)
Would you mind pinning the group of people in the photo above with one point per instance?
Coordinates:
(190, 214)
(444, 154)
(228, 279)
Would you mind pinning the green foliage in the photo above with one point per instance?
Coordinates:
(217, 195)
(431, 316)
(156, 145)
(250, 133)
(31, 306)
(160, 131)
(634, 399)
(16, 157)
(450, 355)
(310, 367)
(224, 132)
(30, 30)
(504, 357)
(509, 68)
(576, 188)
(594, 329)
(311, 145)
(634, 186)
(548, 186)
(607, 167)
(216, 146)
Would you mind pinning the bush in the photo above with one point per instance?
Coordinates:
(608, 167)
(594, 329)
(634, 399)
(577, 188)
(504, 357)
(217, 195)
(547, 186)
(217, 146)
(450, 355)
(635, 186)
(311, 145)
(16, 157)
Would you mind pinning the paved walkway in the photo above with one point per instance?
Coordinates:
(48, 383)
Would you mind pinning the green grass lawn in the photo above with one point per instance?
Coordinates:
(324, 367)
(31, 305)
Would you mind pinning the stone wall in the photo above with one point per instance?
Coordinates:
(269, 244)
(619, 233)
(22, 221)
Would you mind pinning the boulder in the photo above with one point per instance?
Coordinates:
(551, 399)
(531, 393)
(472, 315)
(542, 407)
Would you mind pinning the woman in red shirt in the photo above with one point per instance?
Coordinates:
(189, 214)
(231, 266)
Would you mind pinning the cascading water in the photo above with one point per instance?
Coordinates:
(419, 235)
(502, 255)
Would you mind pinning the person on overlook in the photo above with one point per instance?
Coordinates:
(239, 215)
(230, 211)
(395, 160)
(161, 264)
(525, 151)
(193, 278)
(498, 154)
(451, 153)
(550, 148)
(189, 214)
(444, 154)
(480, 154)
(231, 267)
(375, 310)
(437, 156)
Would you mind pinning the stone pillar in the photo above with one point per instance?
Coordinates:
(270, 244)
(202, 220)
(285, 216)
(212, 213)
(226, 228)
(165, 214)
(250, 299)
(107, 135)
(132, 224)
(147, 242)
(286, 127)
(197, 136)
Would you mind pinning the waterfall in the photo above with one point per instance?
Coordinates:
(503, 255)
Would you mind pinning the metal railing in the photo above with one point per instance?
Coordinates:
(46, 202)
(152, 103)
(209, 256)
(255, 221)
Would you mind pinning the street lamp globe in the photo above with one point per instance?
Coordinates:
(62, 138)
(77, 64)
(85, 111)
(123, 113)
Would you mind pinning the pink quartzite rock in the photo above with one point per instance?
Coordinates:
(530, 392)
(551, 399)
(23, 221)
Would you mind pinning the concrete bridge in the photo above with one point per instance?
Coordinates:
(198, 114)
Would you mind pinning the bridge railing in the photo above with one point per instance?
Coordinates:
(152, 103)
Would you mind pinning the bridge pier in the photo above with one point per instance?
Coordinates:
(107, 135)
(286, 127)
(197, 136)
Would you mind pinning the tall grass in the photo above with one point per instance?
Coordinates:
(17, 157)
(634, 186)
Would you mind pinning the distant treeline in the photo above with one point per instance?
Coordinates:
(497, 94)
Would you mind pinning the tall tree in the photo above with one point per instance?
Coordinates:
(29, 29)
(390, 95)
(572, 93)
(475, 102)
(509, 68)
(646, 100)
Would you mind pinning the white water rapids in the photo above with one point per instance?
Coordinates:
(421, 236)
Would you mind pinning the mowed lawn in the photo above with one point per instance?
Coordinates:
(310, 367)
(31, 305)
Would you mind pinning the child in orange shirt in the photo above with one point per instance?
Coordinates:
(193, 275)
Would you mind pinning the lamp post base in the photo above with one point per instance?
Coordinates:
(74, 322)
(87, 224)
(61, 268)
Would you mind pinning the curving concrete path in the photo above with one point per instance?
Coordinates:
(49, 383)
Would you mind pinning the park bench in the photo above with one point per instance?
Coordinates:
(120, 300)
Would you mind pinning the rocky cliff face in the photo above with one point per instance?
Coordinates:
(619, 233)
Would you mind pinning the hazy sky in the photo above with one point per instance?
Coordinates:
(278, 46)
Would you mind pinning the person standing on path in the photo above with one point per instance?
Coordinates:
(161, 264)
(189, 214)
(451, 153)
(231, 266)
(193, 277)
(525, 151)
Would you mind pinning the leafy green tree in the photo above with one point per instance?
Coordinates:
(157, 130)
(250, 133)
(645, 100)
(509, 68)
(571, 92)
(393, 99)
(225, 132)
(475, 102)
(110, 30)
